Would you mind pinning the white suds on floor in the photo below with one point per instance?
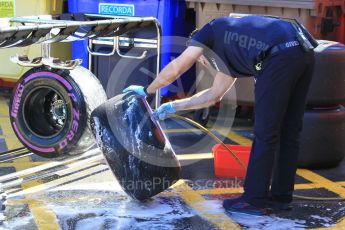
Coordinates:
(253, 222)
(325, 221)
(109, 208)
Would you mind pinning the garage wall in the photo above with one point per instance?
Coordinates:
(208, 10)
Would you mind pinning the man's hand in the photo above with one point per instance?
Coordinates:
(163, 111)
(140, 90)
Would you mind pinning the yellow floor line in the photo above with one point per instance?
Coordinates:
(182, 130)
(308, 186)
(226, 132)
(35, 186)
(196, 156)
(327, 184)
(11, 141)
(21, 164)
(238, 138)
(341, 183)
(8, 135)
(220, 191)
(249, 129)
(198, 203)
(43, 217)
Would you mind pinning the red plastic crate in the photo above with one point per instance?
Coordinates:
(225, 164)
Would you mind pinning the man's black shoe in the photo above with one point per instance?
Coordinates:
(278, 206)
(239, 205)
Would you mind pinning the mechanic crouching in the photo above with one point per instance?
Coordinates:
(279, 54)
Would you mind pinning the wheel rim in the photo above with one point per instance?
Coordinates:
(45, 112)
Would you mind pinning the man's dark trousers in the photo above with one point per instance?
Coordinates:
(280, 95)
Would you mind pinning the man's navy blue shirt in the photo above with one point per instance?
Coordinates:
(239, 41)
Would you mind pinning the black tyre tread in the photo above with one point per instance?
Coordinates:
(322, 138)
(134, 146)
(328, 85)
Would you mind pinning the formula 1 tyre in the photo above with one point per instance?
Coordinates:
(50, 110)
(322, 138)
(328, 85)
(134, 146)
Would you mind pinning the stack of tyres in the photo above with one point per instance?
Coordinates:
(134, 146)
(322, 137)
(328, 86)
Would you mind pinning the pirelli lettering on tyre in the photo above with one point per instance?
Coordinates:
(73, 131)
(71, 95)
(16, 100)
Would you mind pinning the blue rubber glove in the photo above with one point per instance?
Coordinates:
(140, 90)
(163, 111)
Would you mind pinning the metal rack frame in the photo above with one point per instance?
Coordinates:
(98, 29)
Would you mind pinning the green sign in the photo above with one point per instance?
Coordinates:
(6, 8)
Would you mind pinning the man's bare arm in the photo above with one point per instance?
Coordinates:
(221, 84)
(175, 68)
